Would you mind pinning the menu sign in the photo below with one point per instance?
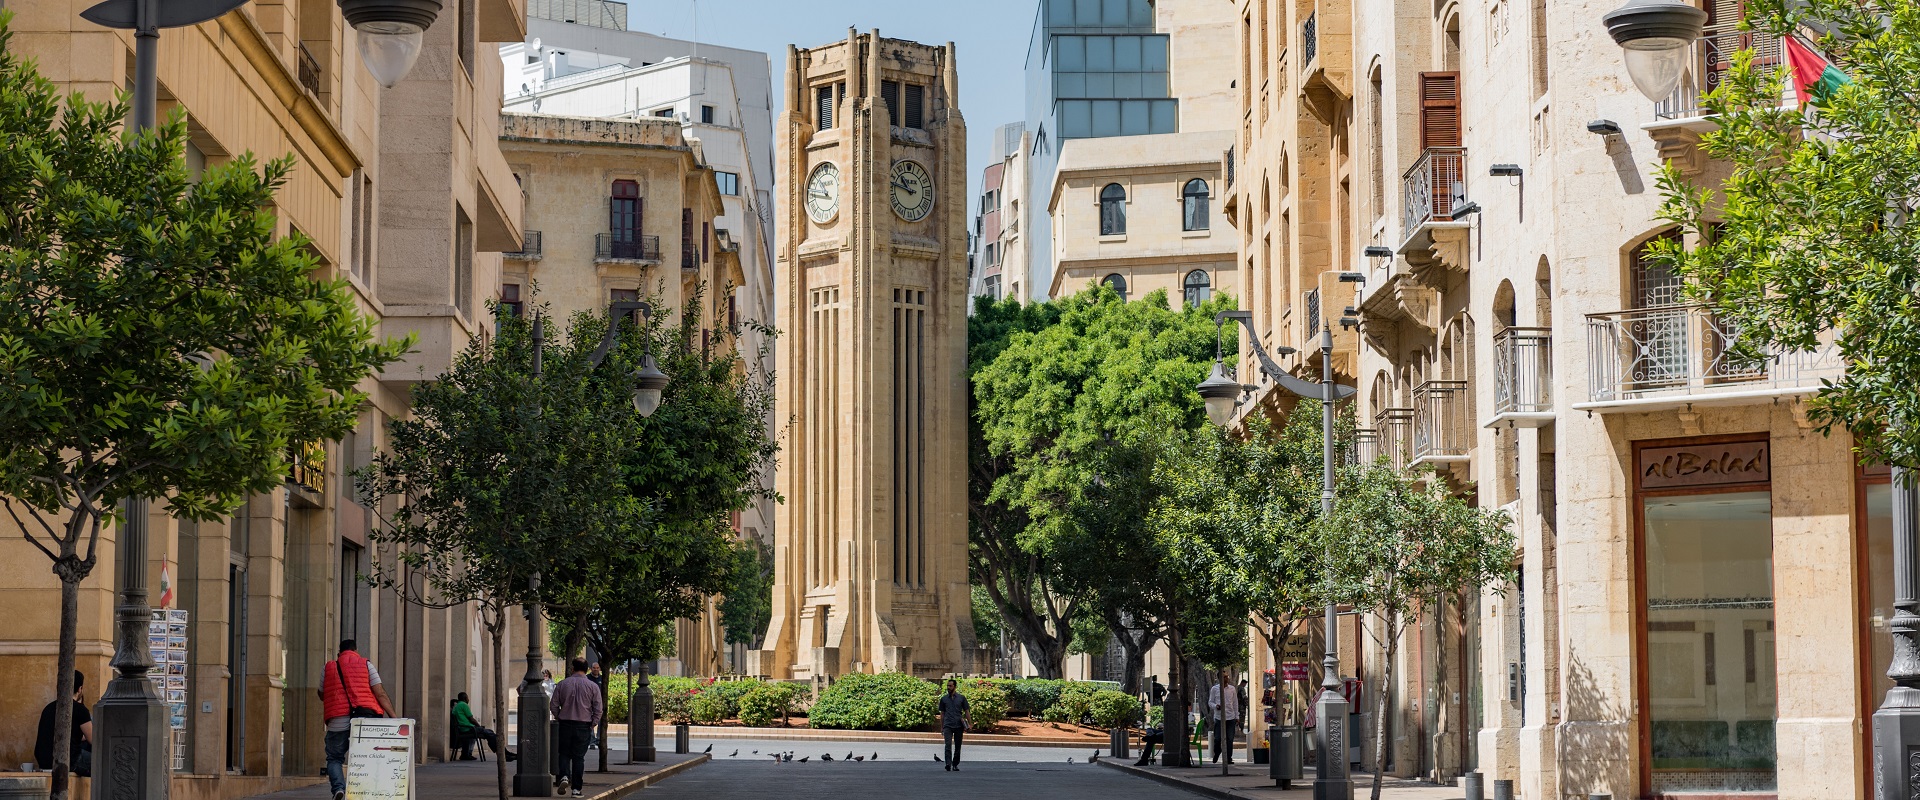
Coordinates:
(380, 759)
(1704, 465)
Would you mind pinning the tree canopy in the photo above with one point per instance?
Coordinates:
(1811, 234)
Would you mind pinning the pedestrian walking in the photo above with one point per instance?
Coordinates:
(576, 705)
(1223, 704)
(349, 690)
(80, 747)
(953, 723)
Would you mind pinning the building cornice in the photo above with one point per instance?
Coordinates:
(252, 42)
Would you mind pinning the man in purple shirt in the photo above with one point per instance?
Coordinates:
(577, 708)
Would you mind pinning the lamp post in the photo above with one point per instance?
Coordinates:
(131, 746)
(535, 777)
(1332, 780)
(1896, 726)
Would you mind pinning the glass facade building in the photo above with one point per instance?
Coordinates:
(1095, 68)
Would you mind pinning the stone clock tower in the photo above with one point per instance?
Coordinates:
(871, 543)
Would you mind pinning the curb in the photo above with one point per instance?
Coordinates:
(642, 782)
(809, 734)
(1205, 791)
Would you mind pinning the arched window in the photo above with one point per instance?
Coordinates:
(1193, 206)
(1119, 284)
(1198, 287)
(1113, 211)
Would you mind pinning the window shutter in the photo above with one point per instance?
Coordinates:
(1439, 109)
(824, 113)
(916, 103)
(890, 92)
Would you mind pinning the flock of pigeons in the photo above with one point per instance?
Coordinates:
(781, 758)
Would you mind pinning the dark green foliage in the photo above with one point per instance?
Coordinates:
(986, 703)
(1111, 709)
(889, 701)
(708, 707)
(748, 605)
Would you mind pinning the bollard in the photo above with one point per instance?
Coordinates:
(1503, 790)
(1117, 743)
(1475, 784)
(682, 739)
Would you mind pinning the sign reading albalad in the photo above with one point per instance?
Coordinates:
(871, 232)
(1704, 465)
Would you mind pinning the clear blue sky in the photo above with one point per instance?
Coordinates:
(990, 35)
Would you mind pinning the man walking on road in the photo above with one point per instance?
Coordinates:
(349, 690)
(1223, 704)
(953, 723)
(576, 704)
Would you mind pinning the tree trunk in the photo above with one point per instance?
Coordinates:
(1048, 652)
(606, 681)
(576, 635)
(63, 683)
(1380, 707)
(496, 623)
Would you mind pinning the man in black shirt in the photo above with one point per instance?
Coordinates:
(81, 758)
(953, 722)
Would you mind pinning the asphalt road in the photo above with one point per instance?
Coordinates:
(903, 771)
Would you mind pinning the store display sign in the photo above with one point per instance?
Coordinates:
(1294, 648)
(1295, 671)
(380, 759)
(1704, 465)
(167, 643)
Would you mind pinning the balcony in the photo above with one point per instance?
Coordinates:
(1366, 445)
(1523, 377)
(1326, 65)
(530, 247)
(1683, 115)
(1442, 424)
(625, 247)
(309, 71)
(1310, 302)
(1673, 356)
(1428, 191)
(1393, 433)
(689, 256)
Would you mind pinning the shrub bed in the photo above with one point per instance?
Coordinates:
(1112, 709)
(889, 701)
(708, 707)
(986, 703)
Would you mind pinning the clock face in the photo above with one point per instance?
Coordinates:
(912, 191)
(823, 193)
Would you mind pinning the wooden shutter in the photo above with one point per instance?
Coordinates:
(916, 105)
(1439, 109)
(824, 110)
(890, 92)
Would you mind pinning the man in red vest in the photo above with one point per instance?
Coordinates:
(349, 688)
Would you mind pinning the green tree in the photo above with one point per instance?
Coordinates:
(1398, 545)
(748, 605)
(1811, 234)
(500, 476)
(156, 339)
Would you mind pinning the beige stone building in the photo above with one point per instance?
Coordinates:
(1136, 212)
(404, 193)
(1698, 609)
(871, 242)
(628, 210)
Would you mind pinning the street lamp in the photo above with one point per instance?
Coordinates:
(1896, 725)
(1332, 780)
(535, 778)
(1655, 35)
(390, 33)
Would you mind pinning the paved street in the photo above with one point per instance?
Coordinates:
(989, 773)
(914, 753)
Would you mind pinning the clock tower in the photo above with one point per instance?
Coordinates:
(871, 542)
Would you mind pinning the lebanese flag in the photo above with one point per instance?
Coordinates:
(1814, 78)
(166, 587)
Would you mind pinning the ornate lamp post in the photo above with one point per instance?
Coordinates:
(1896, 726)
(535, 777)
(1222, 394)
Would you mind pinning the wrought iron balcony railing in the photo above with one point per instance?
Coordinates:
(689, 256)
(1393, 429)
(624, 247)
(1709, 60)
(1523, 371)
(1310, 301)
(1428, 188)
(1686, 350)
(309, 71)
(1443, 427)
(530, 247)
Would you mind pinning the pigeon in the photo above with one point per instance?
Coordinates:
(859, 758)
(708, 750)
(849, 755)
(826, 756)
(803, 759)
(936, 757)
(776, 758)
(787, 757)
(756, 752)
(875, 756)
(734, 753)
(1069, 759)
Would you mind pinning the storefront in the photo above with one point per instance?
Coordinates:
(1705, 615)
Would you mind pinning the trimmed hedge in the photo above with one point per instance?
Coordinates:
(765, 703)
(1113, 709)
(889, 701)
(708, 707)
(986, 703)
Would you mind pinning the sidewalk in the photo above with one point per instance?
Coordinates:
(1250, 780)
(469, 780)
